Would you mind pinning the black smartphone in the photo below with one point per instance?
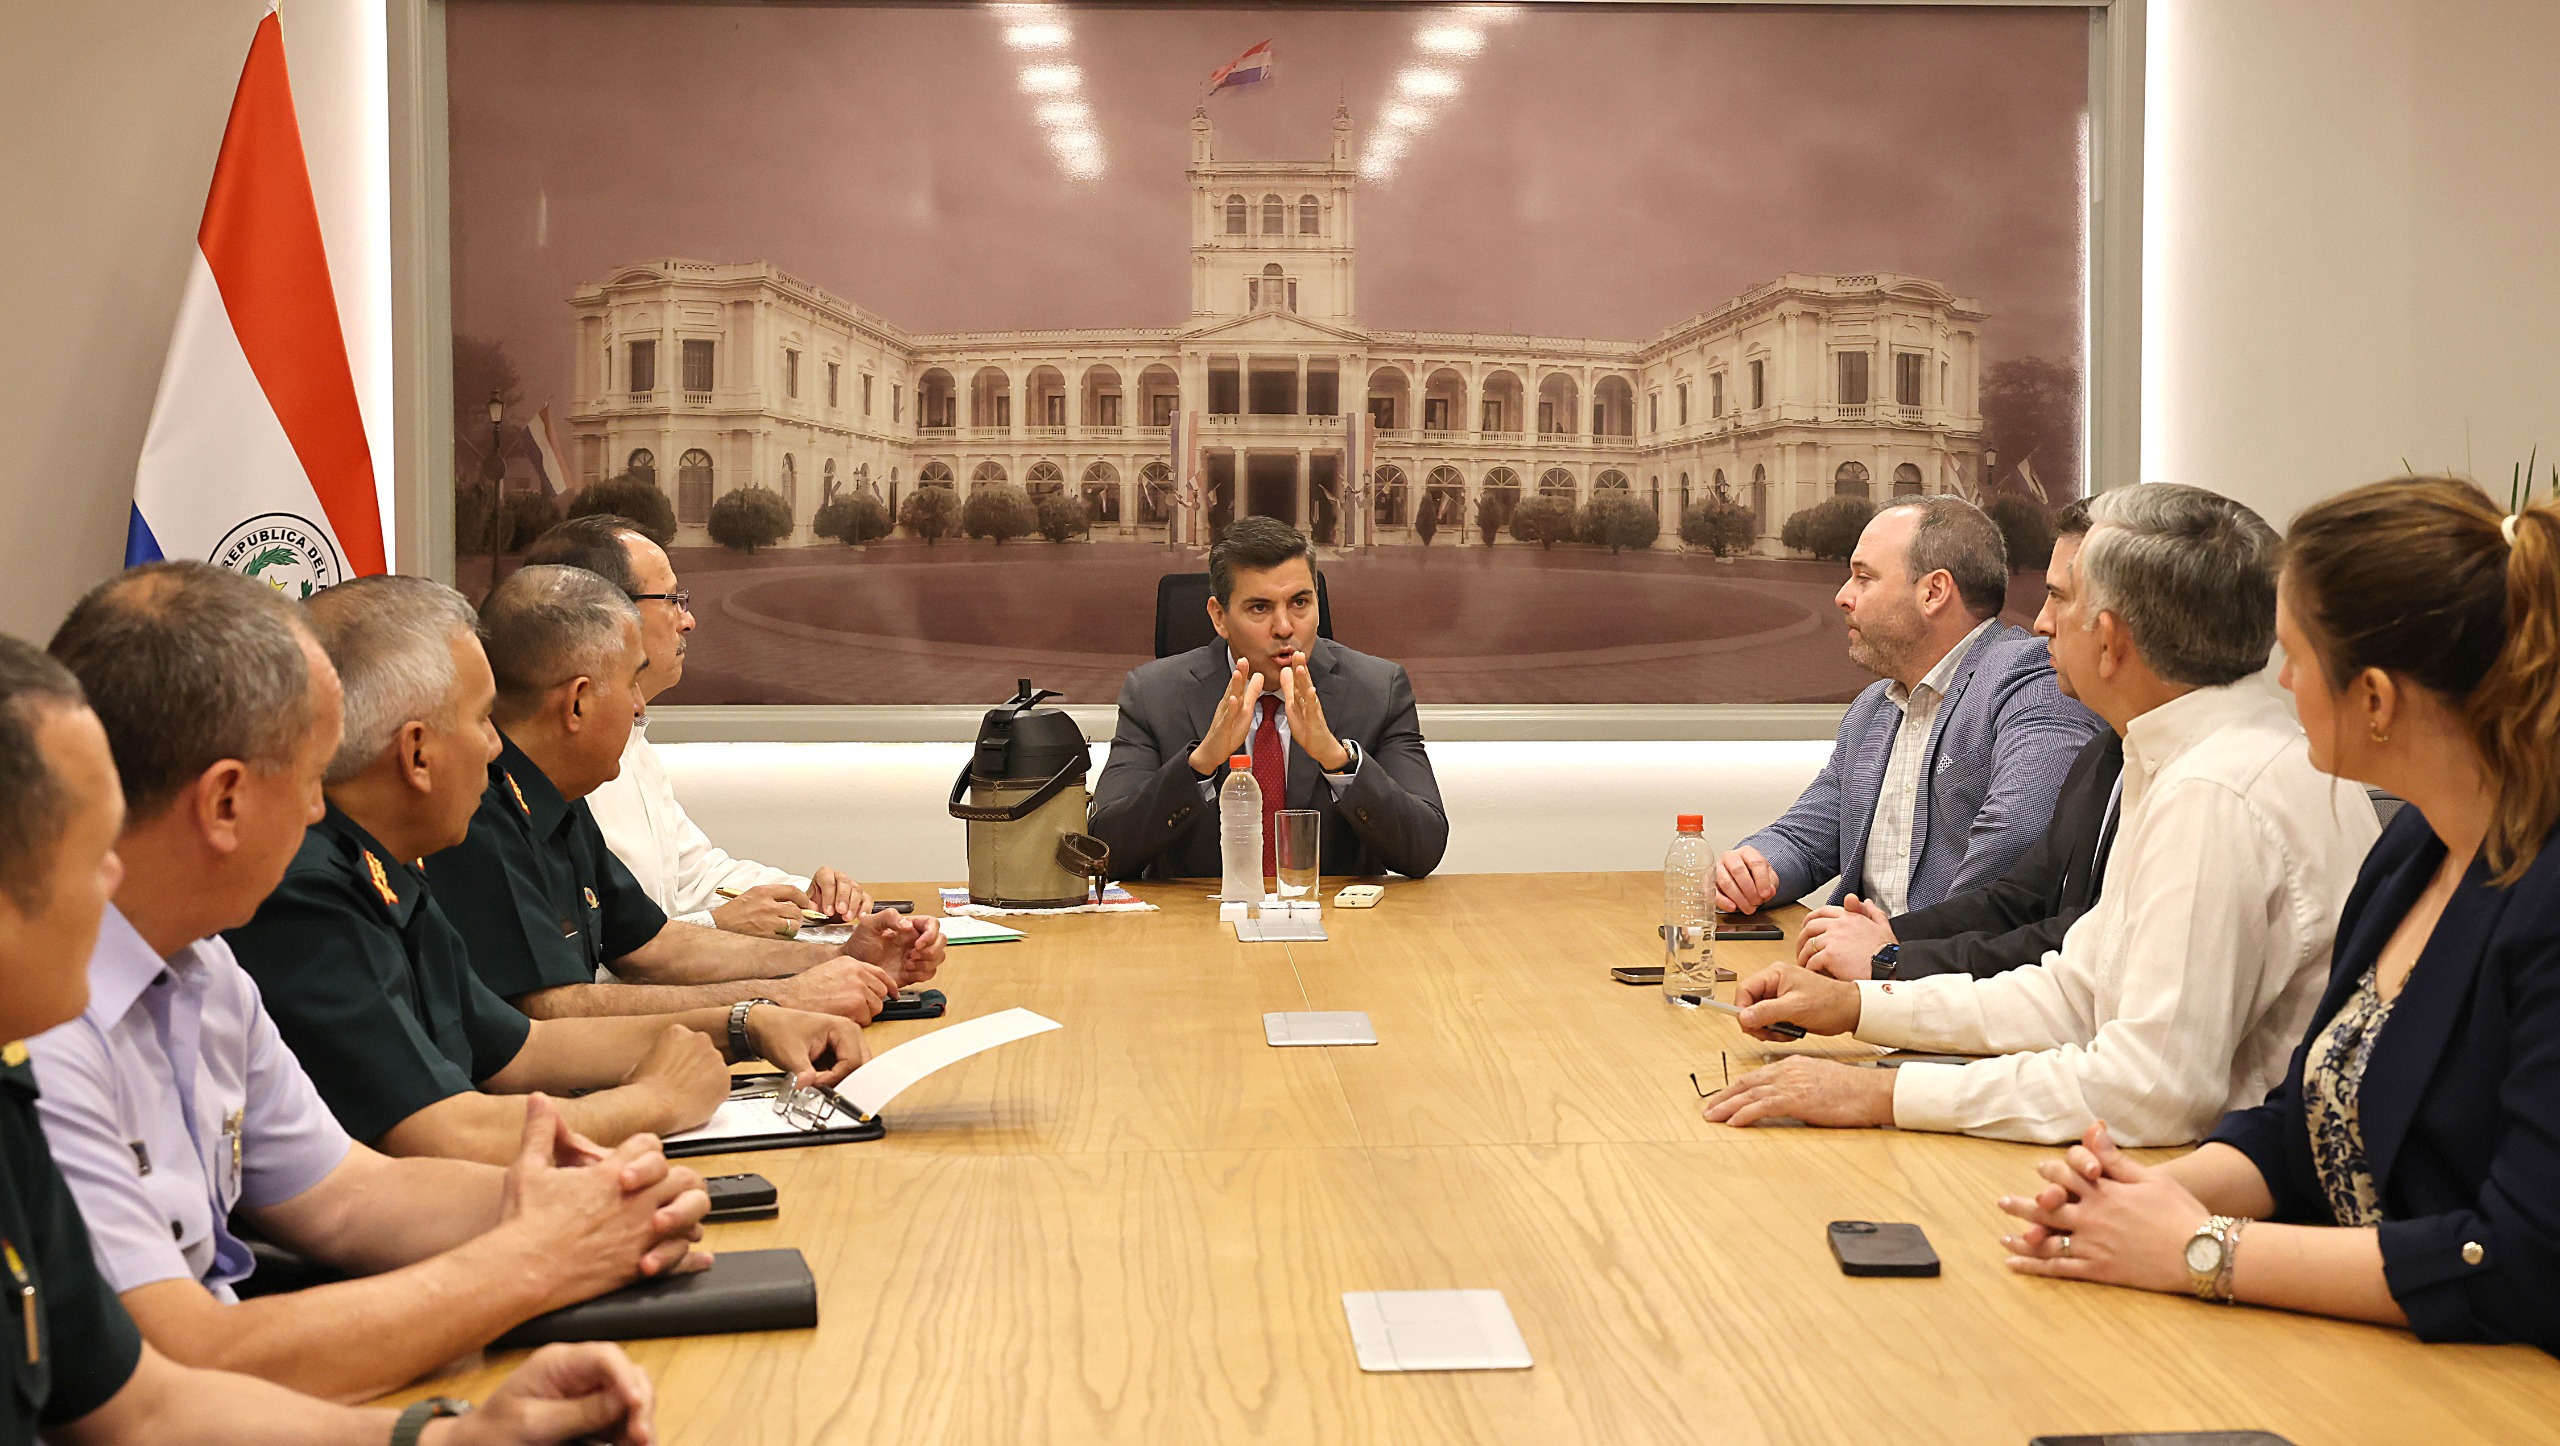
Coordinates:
(1748, 926)
(1637, 974)
(2167, 1438)
(903, 906)
(1864, 1247)
(741, 1197)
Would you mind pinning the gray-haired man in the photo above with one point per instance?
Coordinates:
(2182, 994)
(543, 905)
(365, 975)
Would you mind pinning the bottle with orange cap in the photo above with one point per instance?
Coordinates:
(1688, 916)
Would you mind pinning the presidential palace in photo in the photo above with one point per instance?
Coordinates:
(706, 377)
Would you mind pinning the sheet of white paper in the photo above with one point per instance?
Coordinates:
(956, 930)
(741, 1119)
(961, 929)
(870, 1088)
(1319, 1027)
(1434, 1330)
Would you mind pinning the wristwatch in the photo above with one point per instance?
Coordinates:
(2209, 1254)
(413, 1421)
(1887, 960)
(739, 1049)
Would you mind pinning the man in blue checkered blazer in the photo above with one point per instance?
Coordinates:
(1945, 771)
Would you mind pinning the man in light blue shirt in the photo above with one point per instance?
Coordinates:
(171, 1102)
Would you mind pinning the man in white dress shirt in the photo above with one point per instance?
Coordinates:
(2182, 994)
(676, 863)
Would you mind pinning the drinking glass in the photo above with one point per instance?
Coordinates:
(1294, 854)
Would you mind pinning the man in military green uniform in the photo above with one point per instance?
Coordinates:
(78, 1369)
(367, 979)
(543, 906)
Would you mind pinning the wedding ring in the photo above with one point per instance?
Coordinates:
(2063, 1248)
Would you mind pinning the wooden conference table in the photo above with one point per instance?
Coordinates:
(1139, 1228)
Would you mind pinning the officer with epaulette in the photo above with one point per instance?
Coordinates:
(551, 919)
(75, 1363)
(371, 984)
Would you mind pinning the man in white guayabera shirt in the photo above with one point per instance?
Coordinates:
(2182, 994)
(693, 879)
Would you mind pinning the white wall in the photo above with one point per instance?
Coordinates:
(878, 810)
(2350, 210)
(112, 113)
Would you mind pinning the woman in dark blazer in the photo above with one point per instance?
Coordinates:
(2407, 1171)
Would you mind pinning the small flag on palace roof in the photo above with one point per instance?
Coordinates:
(546, 451)
(1245, 69)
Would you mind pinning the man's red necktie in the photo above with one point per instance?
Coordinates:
(1271, 771)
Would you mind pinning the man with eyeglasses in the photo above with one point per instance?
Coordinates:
(677, 864)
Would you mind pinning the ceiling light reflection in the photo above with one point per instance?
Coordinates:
(1420, 80)
(1042, 36)
(1051, 79)
(1451, 40)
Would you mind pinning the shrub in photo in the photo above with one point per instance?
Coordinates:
(1828, 529)
(932, 513)
(639, 503)
(1722, 528)
(850, 520)
(1062, 517)
(749, 518)
(1545, 521)
(2026, 529)
(999, 510)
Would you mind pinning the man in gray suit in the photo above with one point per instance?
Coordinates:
(1946, 771)
(1334, 730)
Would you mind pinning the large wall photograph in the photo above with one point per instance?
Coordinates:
(1581, 340)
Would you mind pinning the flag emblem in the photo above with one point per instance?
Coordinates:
(286, 552)
(591, 899)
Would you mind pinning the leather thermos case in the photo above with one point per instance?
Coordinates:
(1025, 799)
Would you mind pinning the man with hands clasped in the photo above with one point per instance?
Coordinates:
(366, 976)
(2179, 995)
(2403, 1170)
(1327, 729)
(544, 907)
(173, 1107)
(693, 879)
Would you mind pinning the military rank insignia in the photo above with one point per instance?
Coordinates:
(381, 880)
(519, 793)
(14, 1053)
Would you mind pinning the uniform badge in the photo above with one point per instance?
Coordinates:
(519, 793)
(381, 880)
(591, 900)
(14, 1053)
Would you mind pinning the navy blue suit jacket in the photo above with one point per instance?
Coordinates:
(2461, 1099)
(1999, 748)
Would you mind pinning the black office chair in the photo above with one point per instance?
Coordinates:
(1182, 613)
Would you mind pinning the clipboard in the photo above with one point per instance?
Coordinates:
(757, 1092)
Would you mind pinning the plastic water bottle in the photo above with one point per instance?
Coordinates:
(1688, 916)
(1240, 834)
